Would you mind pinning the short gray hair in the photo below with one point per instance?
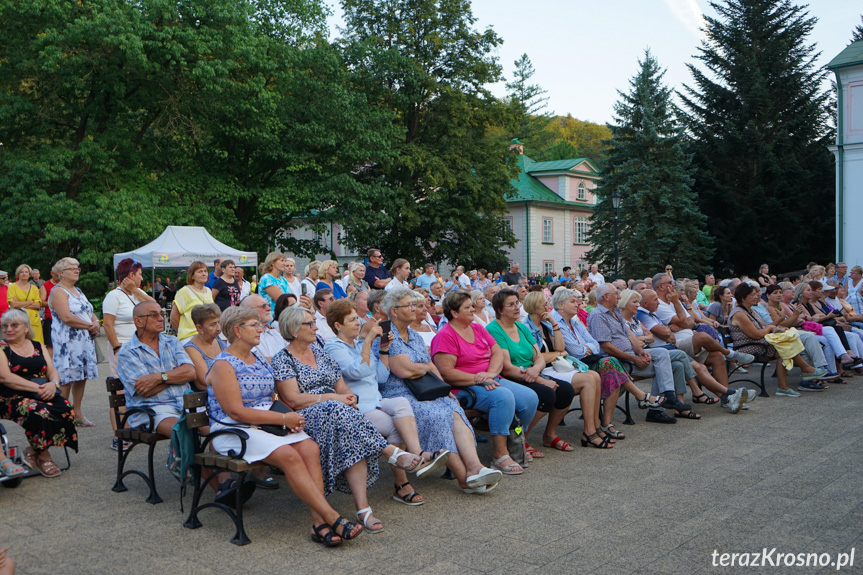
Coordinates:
(233, 317)
(419, 298)
(561, 295)
(604, 289)
(22, 317)
(654, 281)
(393, 297)
(291, 321)
(475, 295)
(376, 296)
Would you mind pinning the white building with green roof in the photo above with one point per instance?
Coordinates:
(550, 212)
(848, 67)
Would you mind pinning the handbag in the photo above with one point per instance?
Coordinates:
(568, 363)
(278, 407)
(428, 387)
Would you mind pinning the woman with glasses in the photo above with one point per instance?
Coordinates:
(23, 295)
(441, 423)
(240, 388)
(311, 383)
(73, 333)
(28, 396)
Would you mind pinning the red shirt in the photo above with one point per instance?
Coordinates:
(4, 304)
(48, 285)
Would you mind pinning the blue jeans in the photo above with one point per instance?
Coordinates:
(504, 401)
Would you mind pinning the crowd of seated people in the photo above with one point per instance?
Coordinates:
(345, 350)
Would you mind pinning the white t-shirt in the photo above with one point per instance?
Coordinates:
(310, 288)
(665, 312)
(324, 330)
(294, 282)
(272, 343)
(393, 284)
(245, 290)
(596, 278)
(464, 281)
(120, 305)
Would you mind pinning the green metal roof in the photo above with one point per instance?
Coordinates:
(554, 165)
(850, 56)
(530, 189)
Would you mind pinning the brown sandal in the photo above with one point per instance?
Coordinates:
(48, 468)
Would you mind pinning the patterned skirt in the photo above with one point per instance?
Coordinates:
(611, 374)
(46, 423)
(344, 437)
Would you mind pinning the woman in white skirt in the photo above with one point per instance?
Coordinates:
(240, 389)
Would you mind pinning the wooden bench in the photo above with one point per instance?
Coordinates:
(146, 436)
(195, 407)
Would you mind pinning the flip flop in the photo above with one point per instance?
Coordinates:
(534, 452)
(13, 470)
(84, 422)
(30, 458)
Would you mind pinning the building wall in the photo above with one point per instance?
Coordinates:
(851, 165)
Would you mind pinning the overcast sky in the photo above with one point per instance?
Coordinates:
(585, 50)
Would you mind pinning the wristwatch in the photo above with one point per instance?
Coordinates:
(164, 378)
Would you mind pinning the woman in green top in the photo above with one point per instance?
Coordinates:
(524, 363)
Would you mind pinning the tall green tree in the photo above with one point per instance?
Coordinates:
(530, 106)
(659, 222)
(443, 194)
(758, 117)
(857, 33)
(118, 118)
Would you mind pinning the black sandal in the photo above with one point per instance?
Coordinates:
(406, 499)
(705, 399)
(325, 538)
(587, 440)
(689, 415)
(347, 528)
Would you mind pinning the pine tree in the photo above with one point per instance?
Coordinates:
(857, 33)
(760, 128)
(659, 221)
(529, 103)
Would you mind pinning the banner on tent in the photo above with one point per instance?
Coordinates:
(183, 259)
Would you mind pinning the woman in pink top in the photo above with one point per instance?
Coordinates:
(470, 360)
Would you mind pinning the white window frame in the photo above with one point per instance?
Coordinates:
(547, 231)
(547, 267)
(580, 230)
(582, 192)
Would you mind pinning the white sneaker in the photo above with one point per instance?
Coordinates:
(734, 402)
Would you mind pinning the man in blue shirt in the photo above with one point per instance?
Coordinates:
(216, 273)
(376, 275)
(154, 369)
(426, 280)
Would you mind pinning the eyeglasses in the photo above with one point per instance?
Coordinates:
(309, 323)
(150, 315)
(256, 324)
(263, 305)
(12, 325)
(410, 305)
(71, 269)
(513, 305)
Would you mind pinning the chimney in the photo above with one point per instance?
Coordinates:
(516, 146)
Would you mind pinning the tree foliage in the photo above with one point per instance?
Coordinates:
(857, 33)
(758, 117)
(118, 118)
(659, 222)
(529, 104)
(444, 191)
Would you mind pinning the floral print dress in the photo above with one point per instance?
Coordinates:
(342, 433)
(46, 424)
(74, 347)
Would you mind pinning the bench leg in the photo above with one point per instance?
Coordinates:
(240, 537)
(627, 412)
(151, 481)
(192, 522)
(122, 454)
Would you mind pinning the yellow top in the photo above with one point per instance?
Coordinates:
(28, 295)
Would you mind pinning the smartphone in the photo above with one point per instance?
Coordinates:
(303, 287)
(385, 326)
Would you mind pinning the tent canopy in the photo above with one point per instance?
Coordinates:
(179, 246)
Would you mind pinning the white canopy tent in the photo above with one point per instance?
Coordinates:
(179, 246)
